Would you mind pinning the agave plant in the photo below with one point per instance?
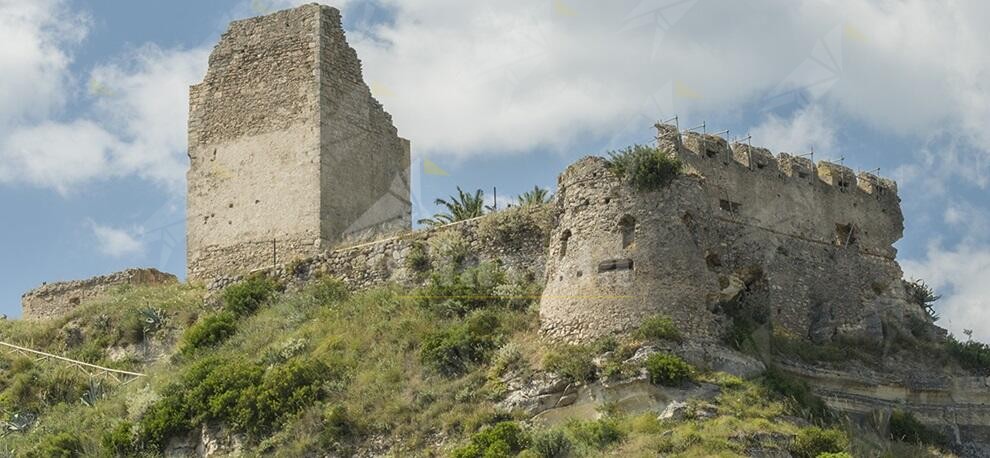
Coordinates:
(460, 207)
(537, 196)
(153, 319)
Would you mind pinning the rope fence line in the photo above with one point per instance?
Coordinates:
(82, 365)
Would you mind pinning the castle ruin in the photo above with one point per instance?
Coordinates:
(296, 169)
(289, 152)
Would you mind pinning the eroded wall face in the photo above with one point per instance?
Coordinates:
(365, 172)
(289, 152)
(254, 146)
(54, 300)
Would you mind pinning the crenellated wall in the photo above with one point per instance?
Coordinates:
(814, 244)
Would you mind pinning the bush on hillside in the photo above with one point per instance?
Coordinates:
(573, 362)
(667, 369)
(452, 350)
(971, 355)
(119, 441)
(209, 332)
(551, 444)
(598, 433)
(813, 441)
(455, 294)
(659, 327)
(244, 298)
(645, 168)
(60, 445)
(504, 439)
(905, 427)
(804, 402)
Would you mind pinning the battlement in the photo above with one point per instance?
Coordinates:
(706, 146)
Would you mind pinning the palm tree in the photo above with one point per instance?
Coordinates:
(461, 207)
(538, 196)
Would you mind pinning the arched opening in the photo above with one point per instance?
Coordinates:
(627, 227)
(563, 242)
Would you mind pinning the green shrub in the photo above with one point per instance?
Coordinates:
(166, 418)
(551, 444)
(449, 249)
(453, 294)
(514, 225)
(834, 455)
(905, 427)
(209, 332)
(329, 290)
(505, 439)
(284, 390)
(813, 441)
(454, 349)
(644, 167)
(244, 298)
(338, 426)
(667, 369)
(971, 355)
(61, 445)
(659, 327)
(598, 434)
(804, 401)
(417, 260)
(120, 440)
(571, 361)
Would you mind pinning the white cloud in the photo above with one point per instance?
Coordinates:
(34, 36)
(136, 126)
(115, 242)
(960, 274)
(470, 78)
(808, 129)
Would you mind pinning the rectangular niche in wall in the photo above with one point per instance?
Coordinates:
(613, 265)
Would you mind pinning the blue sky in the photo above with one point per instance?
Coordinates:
(506, 94)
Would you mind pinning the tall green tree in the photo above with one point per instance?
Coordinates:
(537, 196)
(458, 208)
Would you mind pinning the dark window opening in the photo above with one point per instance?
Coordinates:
(845, 234)
(711, 152)
(843, 184)
(729, 206)
(760, 166)
(563, 242)
(802, 174)
(615, 265)
(74, 301)
(627, 226)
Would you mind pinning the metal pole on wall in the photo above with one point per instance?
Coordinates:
(495, 196)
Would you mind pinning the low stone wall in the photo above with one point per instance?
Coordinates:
(53, 300)
(516, 238)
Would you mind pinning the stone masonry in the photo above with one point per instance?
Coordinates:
(289, 152)
(814, 243)
(53, 300)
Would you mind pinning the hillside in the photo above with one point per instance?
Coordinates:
(456, 367)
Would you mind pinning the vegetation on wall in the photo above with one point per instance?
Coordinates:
(645, 167)
(458, 208)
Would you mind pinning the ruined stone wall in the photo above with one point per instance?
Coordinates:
(53, 300)
(287, 147)
(379, 262)
(816, 252)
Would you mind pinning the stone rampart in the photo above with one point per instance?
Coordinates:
(53, 300)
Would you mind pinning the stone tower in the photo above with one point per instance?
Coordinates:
(289, 152)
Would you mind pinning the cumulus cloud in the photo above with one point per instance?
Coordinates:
(470, 78)
(116, 242)
(806, 130)
(34, 36)
(136, 125)
(959, 274)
